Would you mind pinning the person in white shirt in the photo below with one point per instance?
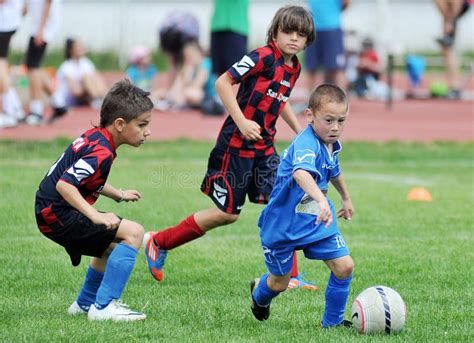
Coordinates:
(45, 20)
(11, 109)
(78, 82)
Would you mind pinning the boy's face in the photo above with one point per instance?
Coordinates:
(328, 122)
(290, 42)
(136, 131)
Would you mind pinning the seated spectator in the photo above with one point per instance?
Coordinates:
(140, 70)
(193, 85)
(78, 82)
(369, 69)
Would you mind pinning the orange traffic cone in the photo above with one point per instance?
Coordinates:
(419, 194)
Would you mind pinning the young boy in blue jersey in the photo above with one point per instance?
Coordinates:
(244, 161)
(64, 211)
(300, 216)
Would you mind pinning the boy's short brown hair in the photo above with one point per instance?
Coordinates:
(124, 100)
(290, 19)
(327, 93)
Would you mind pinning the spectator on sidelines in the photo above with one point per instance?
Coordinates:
(327, 50)
(45, 18)
(140, 69)
(451, 11)
(78, 82)
(193, 85)
(229, 31)
(11, 109)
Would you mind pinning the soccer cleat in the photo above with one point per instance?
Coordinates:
(76, 309)
(299, 282)
(345, 323)
(259, 312)
(155, 256)
(116, 311)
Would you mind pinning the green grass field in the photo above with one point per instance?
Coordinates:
(423, 250)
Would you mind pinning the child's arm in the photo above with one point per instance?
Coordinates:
(307, 184)
(289, 117)
(347, 210)
(71, 194)
(249, 129)
(120, 195)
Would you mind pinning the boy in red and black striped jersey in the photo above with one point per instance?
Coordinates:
(64, 211)
(244, 160)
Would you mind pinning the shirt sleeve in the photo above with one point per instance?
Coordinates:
(249, 65)
(88, 167)
(305, 156)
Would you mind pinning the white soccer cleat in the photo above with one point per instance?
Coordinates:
(116, 311)
(75, 309)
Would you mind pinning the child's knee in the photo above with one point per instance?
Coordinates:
(343, 268)
(227, 218)
(133, 234)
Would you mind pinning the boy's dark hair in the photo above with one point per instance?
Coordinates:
(327, 93)
(126, 101)
(68, 47)
(290, 19)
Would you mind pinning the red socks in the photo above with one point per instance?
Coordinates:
(180, 234)
(294, 267)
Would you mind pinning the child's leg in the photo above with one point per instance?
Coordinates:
(337, 290)
(92, 281)
(120, 263)
(192, 227)
(269, 287)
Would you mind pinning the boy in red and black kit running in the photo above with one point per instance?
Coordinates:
(64, 211)
(244, 160)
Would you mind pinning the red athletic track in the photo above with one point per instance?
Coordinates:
(408, 121)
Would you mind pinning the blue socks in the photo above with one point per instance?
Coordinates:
(262, 294)
(117, 272)
(337, 292)
(89, 289)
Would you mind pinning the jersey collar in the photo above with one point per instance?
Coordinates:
(109, 138)
(279, 57)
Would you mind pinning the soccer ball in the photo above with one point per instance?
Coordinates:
(378, 309)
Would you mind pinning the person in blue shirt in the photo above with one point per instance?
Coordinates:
(140, 70)
(300, 216)
(327, 51)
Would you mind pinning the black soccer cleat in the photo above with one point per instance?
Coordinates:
(259, 312)
(344, 324)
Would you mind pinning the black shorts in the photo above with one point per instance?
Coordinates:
(34, 54)
(227, 47)
(5, 43)
(230, 178)
(82, 237)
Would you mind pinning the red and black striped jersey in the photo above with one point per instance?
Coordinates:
(265, 86)
(85, 164)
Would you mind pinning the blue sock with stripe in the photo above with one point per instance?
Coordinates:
(337, 292)
(117, 272)
(89, 289)
(262, 294)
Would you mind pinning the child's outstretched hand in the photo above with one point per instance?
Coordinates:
(325, 215)
(110, 220)
(250, 130)
(131, 195)
(347, 210)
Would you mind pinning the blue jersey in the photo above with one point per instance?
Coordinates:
(290, 216)
(326, 14)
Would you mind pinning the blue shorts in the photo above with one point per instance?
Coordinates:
(326, 51)
(279, 261)
(227, 47)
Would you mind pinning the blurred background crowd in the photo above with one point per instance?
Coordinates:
(56, 54)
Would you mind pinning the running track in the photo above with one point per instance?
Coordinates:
(407, 121)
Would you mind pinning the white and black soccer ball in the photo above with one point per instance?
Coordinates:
(378, 309)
